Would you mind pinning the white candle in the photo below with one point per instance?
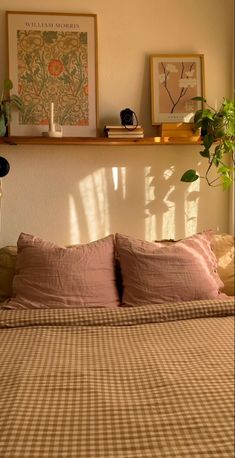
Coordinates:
(52, 114)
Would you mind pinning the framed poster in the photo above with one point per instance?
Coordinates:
(53, 60)
(175, 80)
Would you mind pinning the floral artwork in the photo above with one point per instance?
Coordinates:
(175, 81)
(52, 66)
(53, 62)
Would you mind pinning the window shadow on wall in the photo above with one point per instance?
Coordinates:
(147, 201)
(75, 196)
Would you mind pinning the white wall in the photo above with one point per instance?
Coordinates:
(71, 194)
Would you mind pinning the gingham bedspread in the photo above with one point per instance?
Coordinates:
(150, 381)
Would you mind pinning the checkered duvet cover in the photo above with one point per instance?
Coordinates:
(148, 381)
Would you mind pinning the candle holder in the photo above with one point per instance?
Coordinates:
(55, 130)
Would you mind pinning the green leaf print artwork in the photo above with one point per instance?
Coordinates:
(53, 67)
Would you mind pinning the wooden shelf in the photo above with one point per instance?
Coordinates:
(102, 141)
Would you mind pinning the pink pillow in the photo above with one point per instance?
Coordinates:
(154, 273)
(52, 276)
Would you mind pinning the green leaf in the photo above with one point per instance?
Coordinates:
(65, 78)
(28, 77)
(28, 59)
(200, 99)
(217, 130)
(208, 140)
(2, 126)
(228, 145)
(205, 153)
(16, 100)
(219, 151)
(226, 182)
(198, 116)
(207, 114)
(189, 176)
(50, 36)
(83, 38)
(203, 115)
(224, 170)
(216, 161)
(65, 59)
(7, 84)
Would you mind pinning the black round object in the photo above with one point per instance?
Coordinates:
(127, 117)
(4, 167)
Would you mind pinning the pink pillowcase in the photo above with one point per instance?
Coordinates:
(52, 276)
(154, 273)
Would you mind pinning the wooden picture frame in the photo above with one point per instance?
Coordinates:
(53, 59)
(175, 79)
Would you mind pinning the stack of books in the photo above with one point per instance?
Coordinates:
(124, 132)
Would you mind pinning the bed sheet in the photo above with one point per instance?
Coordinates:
(140, 382)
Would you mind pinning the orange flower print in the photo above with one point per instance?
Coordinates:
(82, 122)
(55, 67)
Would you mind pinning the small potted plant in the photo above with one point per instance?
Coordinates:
(6, 103)
(217, 129)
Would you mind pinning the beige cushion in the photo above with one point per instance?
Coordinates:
(223, 247)
(7, 270)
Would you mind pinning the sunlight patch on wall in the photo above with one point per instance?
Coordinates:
(168, 218)
(150, 219)
(93, 191)
(168, 172)
(150, 227)
(123, 181)
(191, 208)
(115, 178)
(119, 180)
(73, 220)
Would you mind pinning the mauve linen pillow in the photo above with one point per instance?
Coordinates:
(154, 273)
(52, 276)
(223, 247)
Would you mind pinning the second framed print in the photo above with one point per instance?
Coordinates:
(53, 59)
(175, 80)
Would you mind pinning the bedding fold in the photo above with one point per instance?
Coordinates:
(121, 316)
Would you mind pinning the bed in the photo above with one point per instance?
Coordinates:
(152, 380)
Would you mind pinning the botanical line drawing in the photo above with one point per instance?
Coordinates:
(178, 84)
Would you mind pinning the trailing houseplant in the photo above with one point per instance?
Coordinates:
(217, 131)
(6, 103)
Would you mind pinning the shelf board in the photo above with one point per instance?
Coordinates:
(102, 141)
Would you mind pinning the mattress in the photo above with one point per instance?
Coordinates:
(147, 381)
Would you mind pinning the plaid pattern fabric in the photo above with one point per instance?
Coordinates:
(149, 381)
